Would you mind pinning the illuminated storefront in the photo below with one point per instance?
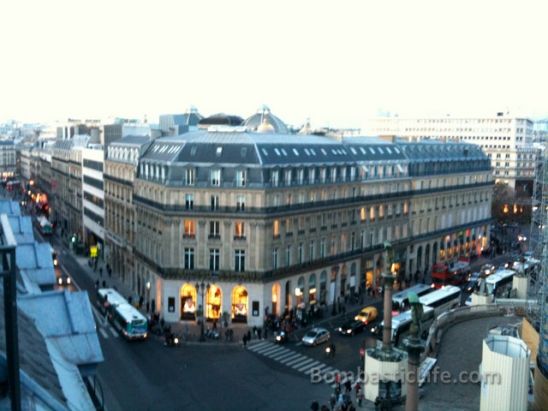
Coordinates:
(188, 302)
(275, 298)
(312, 289)
(323, 287)
(239, 304)
(299, 293)
(213, 302)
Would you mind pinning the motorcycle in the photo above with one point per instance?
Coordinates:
(330, 351)
(281, 337)
(212, 333)
(171, 340)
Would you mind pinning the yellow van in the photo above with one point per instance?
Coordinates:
(367, 315)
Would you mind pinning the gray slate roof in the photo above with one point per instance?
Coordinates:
(9, 207)
(22, 229)
(68, 324)
(35, 362)
(131, 141)
(35, 261)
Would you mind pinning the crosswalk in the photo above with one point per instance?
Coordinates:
(292, 359)
(103, 325)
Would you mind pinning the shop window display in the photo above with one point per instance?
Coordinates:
(188, 302)
(239, 304)
(213, 304)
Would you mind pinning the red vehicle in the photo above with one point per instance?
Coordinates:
(450, 274)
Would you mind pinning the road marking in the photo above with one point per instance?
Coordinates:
(299, 344)
(264, 351)
(103, 333)
(307, 369)
(258, 347)
(292, 358)
(279, 355)
(272, 351)
(100, 318)
(294, 361)
(301, 363)
(113, 332)
(254, 347)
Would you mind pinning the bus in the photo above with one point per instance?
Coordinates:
(401, 325)
(454, 274)
(442, 300)
(400, 300)
(528, 265)
(123, 316)
(499, 282)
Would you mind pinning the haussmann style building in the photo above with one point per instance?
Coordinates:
(251, 220)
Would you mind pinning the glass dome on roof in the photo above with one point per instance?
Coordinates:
(264, 121)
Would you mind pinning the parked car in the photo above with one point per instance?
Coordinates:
(367, 315)
(351, 327)
(316, 336)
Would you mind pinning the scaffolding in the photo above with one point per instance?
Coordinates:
(538, 241)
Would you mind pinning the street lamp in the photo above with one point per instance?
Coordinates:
(202, 288)
(148, 296)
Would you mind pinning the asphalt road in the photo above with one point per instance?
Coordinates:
(149, 376)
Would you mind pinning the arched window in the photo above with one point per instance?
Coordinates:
(239, 304)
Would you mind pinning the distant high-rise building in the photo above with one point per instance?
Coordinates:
(175, 124)
(506, 140)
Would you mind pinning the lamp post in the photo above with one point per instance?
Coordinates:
(202, 288)
(148, 296)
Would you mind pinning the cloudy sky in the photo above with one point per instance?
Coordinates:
(337, 63)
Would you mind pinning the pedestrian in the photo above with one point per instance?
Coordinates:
(324, 408)
(332, 401)
(141, 300)
(109, 270)
(248, 335)
(96, 284)
(148, 307)
(104, 284)
(348, 385)
(101, 272)
(244, 340)
(265, 332)
(359, 394)
(255, 331)
(214, 324)
(315, 406)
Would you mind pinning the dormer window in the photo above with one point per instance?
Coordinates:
(219, 151)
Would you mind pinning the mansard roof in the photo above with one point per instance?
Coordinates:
(245, 148)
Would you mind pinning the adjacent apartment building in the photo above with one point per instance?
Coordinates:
(506, 140)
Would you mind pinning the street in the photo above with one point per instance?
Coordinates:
(150, 376)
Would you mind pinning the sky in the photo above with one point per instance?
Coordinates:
(336, 63)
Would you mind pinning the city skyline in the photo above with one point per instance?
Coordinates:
(337, 66)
